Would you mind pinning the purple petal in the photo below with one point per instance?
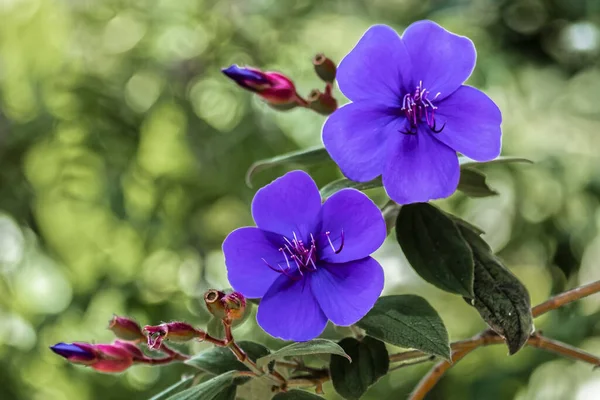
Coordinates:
(290, 311)
(419, 168)
(472, 124)
(346, 292)
(244, 250)
(375, 69)
(355, 138)
(353, 213)
(288, 204)
(440, 59)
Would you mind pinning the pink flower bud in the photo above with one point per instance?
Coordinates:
(174, 331)
(235, 305)
(112, 358)
(126, 328)
(275, 88)
(109, 358)
(77, 353)
(131, 348)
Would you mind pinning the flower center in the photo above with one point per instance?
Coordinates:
(302, 257)
(417, 107)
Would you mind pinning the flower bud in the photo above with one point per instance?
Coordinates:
(125, 328)
(324, 67)
(112, 358)
(235, 305)
(323, 103)
(173, 331)
(101, 357)
(77, 353)
(275, 88)
(131, 348)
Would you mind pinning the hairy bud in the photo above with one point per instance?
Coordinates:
(126, 328)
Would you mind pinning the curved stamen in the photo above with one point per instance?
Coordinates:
(418, 107)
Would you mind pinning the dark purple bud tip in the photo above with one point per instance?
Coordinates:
(73, 352)
(247, 78)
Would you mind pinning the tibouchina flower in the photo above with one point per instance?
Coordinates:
(410, 112)
(309, 262)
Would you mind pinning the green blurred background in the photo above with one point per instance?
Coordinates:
(123, 152)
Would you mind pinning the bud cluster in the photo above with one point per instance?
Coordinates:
(125, 351)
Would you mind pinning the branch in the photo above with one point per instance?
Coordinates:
(565, 298)
(562, 349)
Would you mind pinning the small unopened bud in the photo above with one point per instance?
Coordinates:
(323, 103)
(109, 358)
(131, 348)
(235, 305)
(324, 67)
(112, 358)
(214, 302)
(173, 331)
(126, 328)
(277, 89)
(77, 353)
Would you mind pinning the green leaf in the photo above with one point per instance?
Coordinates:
(465, 161)
(370, 362)
(301, 157)
(345, 183)
(407, 321)
(433, 246)
(296, 395)
(500, 298)
(315, 346)
(473, 184)
(182, 384)
(219, 360)
(218, 388)
(215, 328)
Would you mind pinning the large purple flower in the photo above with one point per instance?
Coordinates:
(410, 112)
(309, 262)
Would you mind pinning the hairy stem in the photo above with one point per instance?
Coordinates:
(243, 358)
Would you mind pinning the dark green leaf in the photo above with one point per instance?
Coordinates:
(473, 184)
(218, 388)
(500, 298)
(435, 249)
(219, 360)
(316, 346)
(370, 362)
(171, 390)
(296, 395)
(344, 183)
(465, 161)
(407, 321)
(301, 157)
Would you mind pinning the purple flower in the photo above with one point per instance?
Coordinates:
(310, 262)
(410, 112)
